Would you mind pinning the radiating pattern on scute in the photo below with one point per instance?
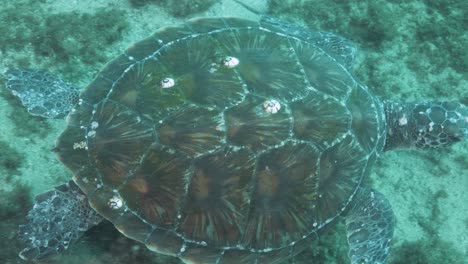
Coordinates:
(284, 193)
(153, 191)
(249, 125)
(320, 119)
(366, 117)
(117, 140)
(268, 65)
(322, 71)
(165, 242)
(218, 197)
(198, 74)
(201, 170)
(192, 129)
(341, 170)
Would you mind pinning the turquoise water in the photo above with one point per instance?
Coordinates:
(408, 50)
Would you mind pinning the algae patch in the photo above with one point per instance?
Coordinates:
(10, 160)
(61, 40)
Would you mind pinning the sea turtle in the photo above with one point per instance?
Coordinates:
(224, 140)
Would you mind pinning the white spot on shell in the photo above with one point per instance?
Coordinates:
(115, 203)
(271, 106)
(213, 68)
(80, 145)
(431, 126)
(92, 133)
(167, 83)
(403, 120)
(230, 62)
(94, 125)
(183, 248)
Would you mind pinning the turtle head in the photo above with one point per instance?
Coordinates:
(425, 124)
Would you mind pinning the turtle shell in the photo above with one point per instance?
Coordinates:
(222, 140)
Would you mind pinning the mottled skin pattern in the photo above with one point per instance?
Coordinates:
(61, 95)
(203, 170)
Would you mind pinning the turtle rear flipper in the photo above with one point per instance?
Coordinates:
(369, 227)
(59, 218)
(41, 92)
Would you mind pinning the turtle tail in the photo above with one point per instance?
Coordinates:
(425, 124)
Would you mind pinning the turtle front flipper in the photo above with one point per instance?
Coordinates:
(59, 218)
(41, 92)
(341, 49)
(425, 124)
(369, 227)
